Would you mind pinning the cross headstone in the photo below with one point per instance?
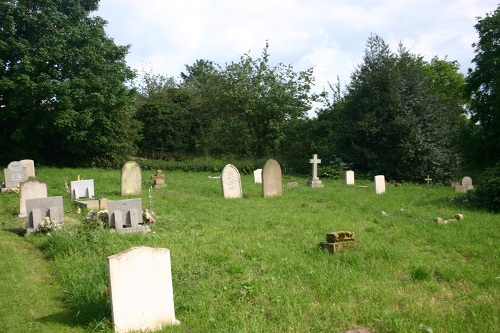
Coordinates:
(257, 176)
(428, 179)
(231, 182)
(141, 290)
(314, 181)
(30, 167)
(30, 189)
(349, 177)
(272, 183)
(82, 188)
(380, 184)
(38, 209)
(131, 179)
(15, 174)
(158, 179)
(125, 216)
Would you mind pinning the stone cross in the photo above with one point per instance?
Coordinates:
(315, 161)
(428, 179)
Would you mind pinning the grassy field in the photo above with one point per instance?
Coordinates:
(254, 264)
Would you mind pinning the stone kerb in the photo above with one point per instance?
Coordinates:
(231, 182)
(272, 183)
(142, 294)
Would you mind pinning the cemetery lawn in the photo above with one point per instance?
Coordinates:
(255, 265)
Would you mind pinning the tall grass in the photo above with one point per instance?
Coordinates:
(254, 264)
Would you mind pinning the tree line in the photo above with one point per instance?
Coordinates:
(67, 97)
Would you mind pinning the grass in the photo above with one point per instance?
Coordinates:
(254, 264)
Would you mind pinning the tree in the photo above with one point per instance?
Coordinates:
(63, 97)
(483, 85)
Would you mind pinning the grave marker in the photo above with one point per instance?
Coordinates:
(30, 167)
(349, 177)
(231, 182)
(272, 183)
(142, 294)
(380, 184)
(428, 180)
(257, 176)
(30, 189)
(15, 174)
(126, 215)
(465, 186)
(314, 181)
(131, 179)
(158, 179)
(82, 188)
(38, 209)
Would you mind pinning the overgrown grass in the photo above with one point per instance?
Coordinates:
(254, 264)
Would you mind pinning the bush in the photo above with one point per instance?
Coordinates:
(488, 188)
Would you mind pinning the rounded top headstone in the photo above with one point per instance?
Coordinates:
(15, 166)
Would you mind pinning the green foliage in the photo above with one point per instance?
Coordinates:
(483, 84)
(488, 188)
(62, 91)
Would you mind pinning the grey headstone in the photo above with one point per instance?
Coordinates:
(38, 209)
(131, 179)
(126, 215)
(82, 188)
(15, 174)
(231, 182)
(30, 189)
(30, 167)
(142, 294)
(272, 183)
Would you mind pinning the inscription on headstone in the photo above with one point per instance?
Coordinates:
(14, 174)
(231, 182)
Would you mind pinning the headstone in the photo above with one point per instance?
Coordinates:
(231, 182)
(349, 177)
(126, 215)
(15, 174)
(380, 184)
(158, 179)
(257, 176)
(82, 188)
(30, 167)
(38, 209)
(428, 180)
(141, 290)
(272, 183)
(131, 179)
(30, 189)
(337, 241)
(314, 181)
(465, 186)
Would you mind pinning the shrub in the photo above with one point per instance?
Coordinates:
(488, 188)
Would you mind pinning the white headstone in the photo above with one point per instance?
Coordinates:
(126, 215)
(15, 174)
(82, 188)
(467, 183)
(30, 189)
(142, 294)
(380, 184)
(38, 209)
(231, 182)
(349, 177)
(257, 176)
(30, 167)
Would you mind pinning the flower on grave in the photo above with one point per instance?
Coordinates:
(147, 217)
(48, 225)
(13, 190)
(94, 220)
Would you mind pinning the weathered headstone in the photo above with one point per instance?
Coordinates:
(82, 188)
(349, 177)
(158, 179)
(126, 215)
(30, 189)
(314, 181)
(337, 241)
(131, 179)
(380, 184)
(38, 209)
(15, 174)
(142, 294)
(30, 167)
(272, 183)
(257, 176)
(231, 182)
(465, 186)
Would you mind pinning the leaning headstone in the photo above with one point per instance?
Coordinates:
(380, 184)
(349, 177)
(30, 167)
(30, 189)
(131, 179)
(314, 181)
(38, 209)
(158, 179)
(257, 176)
(82, 188)
(15, 174)
(231, 182)
(141, 290)
(272, 183)
(125, 216)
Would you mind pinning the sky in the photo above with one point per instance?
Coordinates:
(327, 35)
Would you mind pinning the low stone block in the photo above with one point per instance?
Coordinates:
(340, 236)
(337, 247)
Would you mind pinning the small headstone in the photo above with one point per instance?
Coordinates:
(30, 167)
(158, 179)
(231, 182)
(126, 215)
(349, 177)
(38, 209)
(30, 189)
(314, 181)
(380, 184)
(257, 176)
(337, 241)
(82, 188)
(141, 290)
(272, 183)
(131, 179)
(465, 186)
(15, 174)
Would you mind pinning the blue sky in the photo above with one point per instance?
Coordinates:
(327, 35)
